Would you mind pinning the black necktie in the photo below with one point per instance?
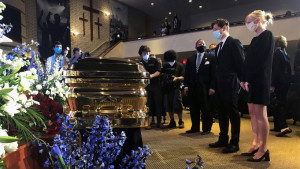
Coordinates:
(220, 48)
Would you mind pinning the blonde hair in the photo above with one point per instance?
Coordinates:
(265, 17)
(280, 41)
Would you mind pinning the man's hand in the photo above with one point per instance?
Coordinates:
(186, 91)
(211, 92)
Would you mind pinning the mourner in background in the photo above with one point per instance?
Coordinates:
(176, 24)
(172, 78)
(257, 82)
(118, 35)
(59, 56)
(163, 112)
(76, 56)
(199, 83)
(229, 69)
(154, 88)
(281, 77)
(212, 48)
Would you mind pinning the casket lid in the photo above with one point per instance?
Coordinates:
(107, 68)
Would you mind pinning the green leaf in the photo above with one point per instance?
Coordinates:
(6, 91)
(31, 77)
(8, 139)
(61, 162)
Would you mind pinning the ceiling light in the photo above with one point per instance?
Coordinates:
(106, 13)
(170, 13)
(152, 3)
(200, 6)
(190, 1)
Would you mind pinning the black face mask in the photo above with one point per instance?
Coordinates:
(201, 49)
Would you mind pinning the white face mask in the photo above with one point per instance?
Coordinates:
(145, 57)
(251, 26)
(171, 63)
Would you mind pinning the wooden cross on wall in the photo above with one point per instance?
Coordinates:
(83, 22)
(91, 10)
(98, 24)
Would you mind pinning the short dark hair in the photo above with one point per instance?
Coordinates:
(75, 50)
(170, 56)
(56, 43)
(220, 22)
(144, 48)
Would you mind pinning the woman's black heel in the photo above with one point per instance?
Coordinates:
(250, 154)
(266, 156)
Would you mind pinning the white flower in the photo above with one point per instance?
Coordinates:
(25, 83)
(13, 95)
(23, 98)
(3, 132)
(1, 17)
(58, 84)
(2, 151)
(35, 92)
(47, 92)
(12, 108)
(11, 147)
(38, 87)
(23, 110)
(33, 71)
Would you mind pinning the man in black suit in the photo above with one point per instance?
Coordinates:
(229, 64)
(199, 83)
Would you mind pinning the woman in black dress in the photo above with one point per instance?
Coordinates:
(281, 78)
(257, 82)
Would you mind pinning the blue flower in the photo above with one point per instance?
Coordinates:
(55, 151)
(46, 163)
(41, 151)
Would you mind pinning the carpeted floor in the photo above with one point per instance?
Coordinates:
(171, 147)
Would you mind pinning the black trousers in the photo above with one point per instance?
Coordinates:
(280, 109)
(199, 102)
(154, 101)
(229, 112)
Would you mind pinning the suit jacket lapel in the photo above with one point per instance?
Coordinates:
(225, 44)
(194, 62)
(203, 60)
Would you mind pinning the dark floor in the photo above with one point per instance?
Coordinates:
(172, 147)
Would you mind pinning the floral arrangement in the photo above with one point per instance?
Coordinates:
(51, 92)
(16, 111)
(198, 163)
(50, 80)
(100, 149)
(17, 115)
(49, 108)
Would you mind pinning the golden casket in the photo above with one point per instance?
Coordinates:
(112, 87)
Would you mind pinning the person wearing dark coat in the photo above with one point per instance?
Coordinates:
(198, 85)
(281, 78)
(257, 82)
(172, 79)
(154, 100)
(229, 69)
